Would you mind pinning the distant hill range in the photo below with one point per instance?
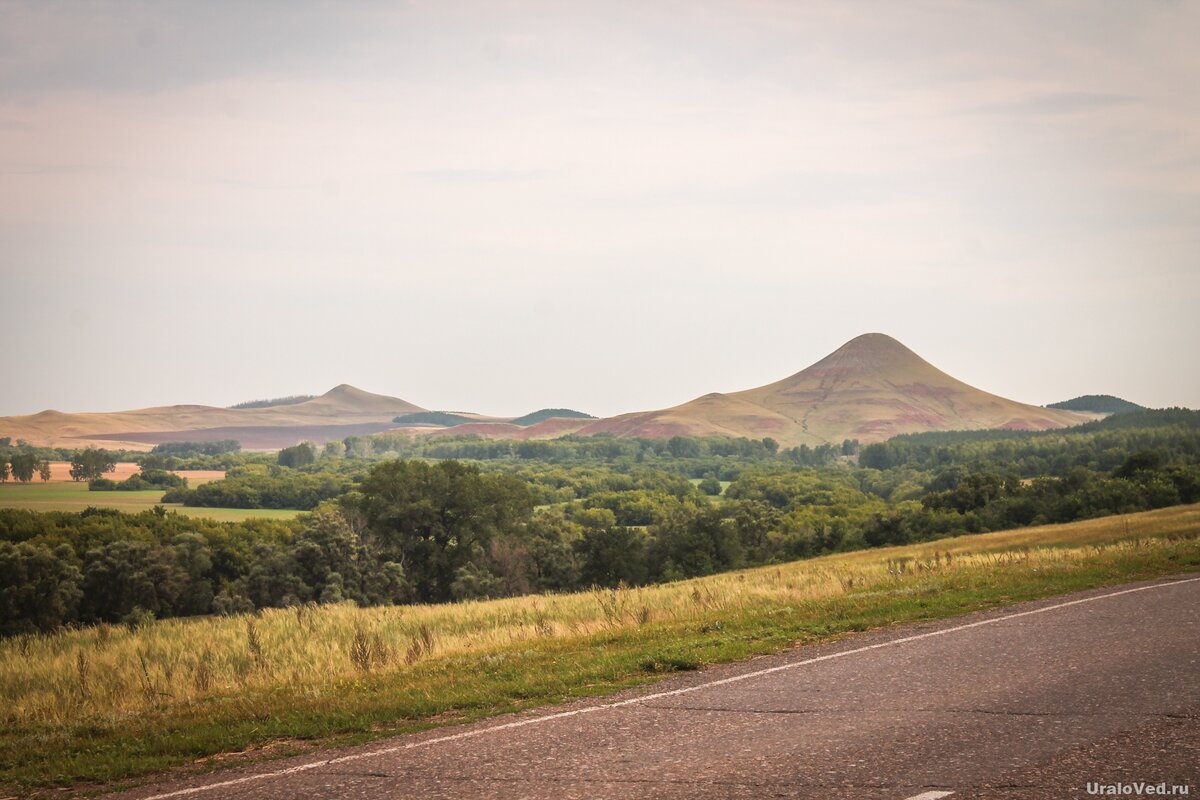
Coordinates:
(870, 389)
(342, 411)
(1098, 404)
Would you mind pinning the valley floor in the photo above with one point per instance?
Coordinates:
(75, 496)
(109, 704)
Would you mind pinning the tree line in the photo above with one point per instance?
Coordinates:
(22, 466)
(1098, 446)
(23, 463)
(256, 486)
(413, 531)
(989, 501)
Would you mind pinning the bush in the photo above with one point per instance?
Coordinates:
(147, 479)
(300, 490)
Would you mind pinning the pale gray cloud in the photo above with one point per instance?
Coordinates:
(503, 205)
(125, 45)
(1058, 103)
(468, 176)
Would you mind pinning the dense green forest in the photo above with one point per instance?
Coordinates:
(290, 400)
(145, 480)
(543, 414)
(569, 514)
(1097, 446)
(195, 449)
(259, 486)
(1098, 403)
(449, 419)
(434, 418)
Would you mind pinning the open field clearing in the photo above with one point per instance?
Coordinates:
(60, 472)
(712, 498)
(110, 703)
(73, 496)
(697, 482)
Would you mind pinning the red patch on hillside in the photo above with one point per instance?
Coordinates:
(487, 430)
(872, 426)
(914, 416)
(554, 426)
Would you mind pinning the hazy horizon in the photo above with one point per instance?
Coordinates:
(608, 207)
(323, 391)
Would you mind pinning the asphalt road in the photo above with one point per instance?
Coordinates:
(1032, 701)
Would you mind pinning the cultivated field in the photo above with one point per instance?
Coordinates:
(72, 496)
(60, 472)
(108, 703)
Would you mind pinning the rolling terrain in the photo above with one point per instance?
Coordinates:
(340, 412)
(870, 389)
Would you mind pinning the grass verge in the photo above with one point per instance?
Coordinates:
(109, 705)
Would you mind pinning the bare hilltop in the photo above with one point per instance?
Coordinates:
(869, 389)
(340, 412)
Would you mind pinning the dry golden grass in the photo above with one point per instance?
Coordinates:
(1164, 522)
(869, 389)
(110, 672)
(340, 405)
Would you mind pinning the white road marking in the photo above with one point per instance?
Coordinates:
(934, 795)
(383, 751)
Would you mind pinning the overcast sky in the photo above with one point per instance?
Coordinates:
(612, 206)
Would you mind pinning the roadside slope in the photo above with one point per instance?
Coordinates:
(309, 686)
(954, 707)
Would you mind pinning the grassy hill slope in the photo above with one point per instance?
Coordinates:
(318, 418)
(870, 389)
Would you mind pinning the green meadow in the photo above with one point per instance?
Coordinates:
(76, 497)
